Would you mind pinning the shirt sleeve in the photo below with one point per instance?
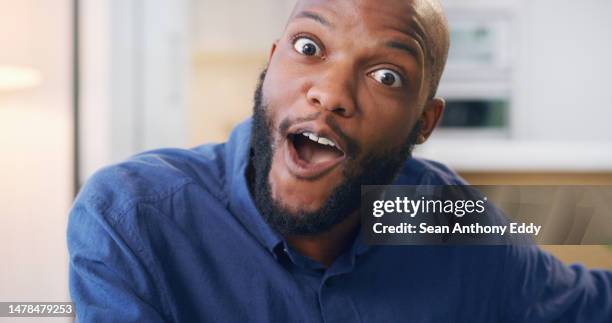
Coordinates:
(110, 277)
(539, 288)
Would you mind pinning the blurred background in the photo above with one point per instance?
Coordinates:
(86, 83)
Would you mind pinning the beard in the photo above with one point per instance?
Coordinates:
(374, 169)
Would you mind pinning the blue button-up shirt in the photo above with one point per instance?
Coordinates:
(173, 235)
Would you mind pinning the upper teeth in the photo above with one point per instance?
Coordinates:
(317, 139)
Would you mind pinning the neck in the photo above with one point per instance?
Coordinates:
(327, 246)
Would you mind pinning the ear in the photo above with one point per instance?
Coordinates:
(432, 114)
(273, 49)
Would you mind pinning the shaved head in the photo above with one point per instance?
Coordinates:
(349, 90)
(429, 21)
(437, 40)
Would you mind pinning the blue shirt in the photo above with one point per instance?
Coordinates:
(174, 236)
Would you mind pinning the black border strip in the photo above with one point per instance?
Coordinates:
(76, 95)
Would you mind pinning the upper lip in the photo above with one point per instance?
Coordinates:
(320, 131)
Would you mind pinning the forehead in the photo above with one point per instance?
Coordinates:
(374, 15)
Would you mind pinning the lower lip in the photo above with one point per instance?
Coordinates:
(303, 170)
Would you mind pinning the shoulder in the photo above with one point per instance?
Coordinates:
(418, 171)
(153, 176)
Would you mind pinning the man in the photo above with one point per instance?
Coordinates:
(264, 228)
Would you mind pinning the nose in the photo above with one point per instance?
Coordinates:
(334, 91)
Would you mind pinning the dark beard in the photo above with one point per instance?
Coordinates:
(375, 169)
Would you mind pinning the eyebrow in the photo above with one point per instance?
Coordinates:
(404, 47)
(313, 16)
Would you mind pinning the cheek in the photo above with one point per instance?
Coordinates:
(282, 89)
(377, 143)
(386, 122)
(283, 77)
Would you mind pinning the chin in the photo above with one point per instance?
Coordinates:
(298, 194)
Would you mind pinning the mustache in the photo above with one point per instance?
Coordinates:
(352, 147)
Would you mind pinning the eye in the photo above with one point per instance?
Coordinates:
(307, 47)
(387, 77)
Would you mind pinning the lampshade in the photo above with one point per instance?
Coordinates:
(14, 77)
(21, 55)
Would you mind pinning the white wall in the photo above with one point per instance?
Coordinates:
(568, 70)
(134, 78)
(35, 154)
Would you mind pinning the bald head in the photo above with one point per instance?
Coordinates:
(360, 73)
(429, 24)
(437, 40)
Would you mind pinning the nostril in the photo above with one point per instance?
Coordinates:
(338, 109)
(332, 102)
(316, 101)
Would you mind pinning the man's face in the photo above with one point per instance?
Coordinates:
(344, 87)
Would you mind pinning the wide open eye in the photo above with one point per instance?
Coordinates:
(387, 77)
(307, 47)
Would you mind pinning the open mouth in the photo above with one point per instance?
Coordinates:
(312, 155)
